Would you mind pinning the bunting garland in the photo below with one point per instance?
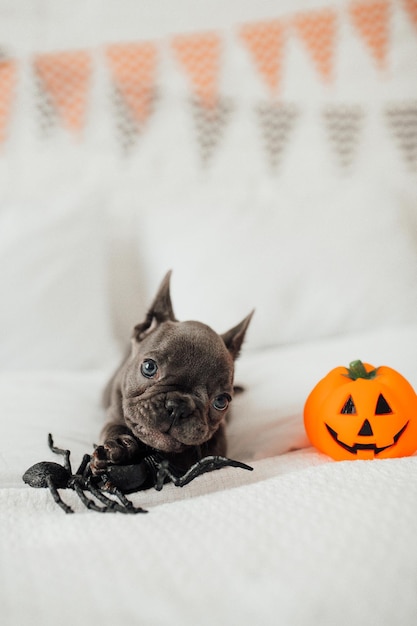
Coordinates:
(65, 77)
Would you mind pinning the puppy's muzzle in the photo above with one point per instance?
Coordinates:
(180, 408)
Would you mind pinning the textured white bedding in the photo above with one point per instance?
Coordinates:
(301, 540)
(319, 543)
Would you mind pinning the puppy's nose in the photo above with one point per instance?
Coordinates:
(178, 409)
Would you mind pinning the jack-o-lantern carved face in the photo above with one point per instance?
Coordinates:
(362, 413)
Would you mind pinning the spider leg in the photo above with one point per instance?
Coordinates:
(125, 505)
(110, 504)
(83, 470)
(164, 472)
(126, 502)
(57, 497)
(207, 464)
(88, 502)
(64, 453)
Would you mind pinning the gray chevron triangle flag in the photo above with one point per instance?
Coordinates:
(344, 124)
(128, 126)
(210, 123)
(277, 122)
(402, 120)
(46, 113)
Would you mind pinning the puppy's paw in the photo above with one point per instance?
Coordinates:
(116, 451)
(98, 462)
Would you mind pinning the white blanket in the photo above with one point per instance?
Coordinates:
(301, 540)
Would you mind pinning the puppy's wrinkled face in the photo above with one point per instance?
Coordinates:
(177, 385)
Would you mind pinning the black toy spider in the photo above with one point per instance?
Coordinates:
(153, 470)
(55, 476)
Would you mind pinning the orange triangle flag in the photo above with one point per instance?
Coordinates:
(411, 8)
(65, 76)
(200, 57)
(265, 41)
(317, 29)
(371, 20)
(133, 68)
(8, 72)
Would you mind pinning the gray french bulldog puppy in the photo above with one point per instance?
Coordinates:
(172, 392)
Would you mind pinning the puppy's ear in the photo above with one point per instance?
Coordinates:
(234, 337)
(160, 311)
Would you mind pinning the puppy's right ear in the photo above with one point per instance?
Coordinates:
(160, 311)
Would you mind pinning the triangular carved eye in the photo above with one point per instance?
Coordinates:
(349, 407)
(382, 406)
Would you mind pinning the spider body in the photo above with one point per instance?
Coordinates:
(54, 476)
(41, 473)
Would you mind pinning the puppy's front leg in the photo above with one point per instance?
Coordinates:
(119, 447)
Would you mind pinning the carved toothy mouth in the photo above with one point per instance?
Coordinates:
(364, 446)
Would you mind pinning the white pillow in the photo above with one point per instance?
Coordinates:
(312, 262)
(54, 312)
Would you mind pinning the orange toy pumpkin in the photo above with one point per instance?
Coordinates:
(362, 412)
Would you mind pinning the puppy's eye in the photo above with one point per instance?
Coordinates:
(149, 368)
(221, 402)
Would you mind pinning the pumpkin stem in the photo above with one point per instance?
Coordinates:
(357, 370)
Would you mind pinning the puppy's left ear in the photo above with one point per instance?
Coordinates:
(234, 337)
(160, 311)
